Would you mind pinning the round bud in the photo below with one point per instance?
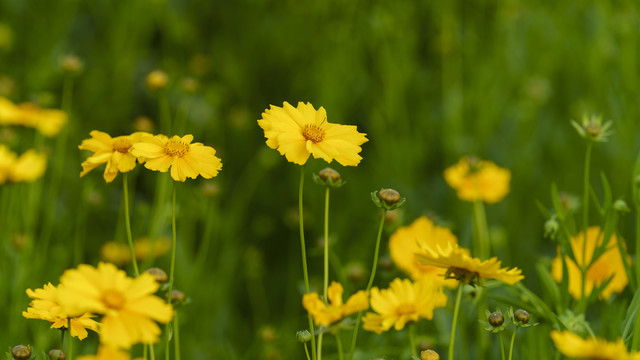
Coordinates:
(429, 355)
(157, 80)
(189, 85)
(496, 319)
(621, 206)
(303, 336)
(355, 272)
(389, 196)
(158, 274)
(144, 124)
(385, 262)
(21, 352)
(268, 334)
(329, 173)
(593, 128)
(56, 354)
(176, 296)
(72, 64)
(522, 316)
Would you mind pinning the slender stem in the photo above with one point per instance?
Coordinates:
(339, 343)
(304, 258)
(306, 350)
(176, 336)
(70, 341)
(412, 340)
(455, 320)
(152, 352)
(127, 220)
(326, 259)
(173, 264)
(585, 218)
(480, 217)
(320, 346)
(354, 338)
(636, 333)
(145, 351)
(501, 346)
(513, 338)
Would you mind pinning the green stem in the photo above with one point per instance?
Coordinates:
(127, 220)
(320, 346)
(305, 273)
(70, 341)
(306, 350)
(326, 260)
(412, 340)
(176, 336)
(354, 338)
(513, 339)
(455, 320)
(501, 346)
(585, 217)
(173, 264)
(482, 242)
(152, 352)
(145, 351)
(339, 343)
(636, 333)
(62, 331)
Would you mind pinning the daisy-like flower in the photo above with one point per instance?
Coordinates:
(48, 122)
(143, 247)
(111, 151)
(404, 301)
(300, 132)
(403, 245)
(573, 346)
(7, 161)
(107, 353)
(462, 266)
(29, 167)
(608, 265)
(128, 306)
(185, 159)
(327, 314)
(475, 179)
(44, 306)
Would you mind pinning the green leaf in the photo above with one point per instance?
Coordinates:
(630, 319)
(606, 188)
(549, 285)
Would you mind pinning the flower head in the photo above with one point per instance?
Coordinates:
(300, 132)
(29, 167)
(462, 266)
(403, 245)
(404, 301)
(111, 151)
(185, 159)
(592, 128)
(573, 346)
(475, 180)
(128, 305)
(608, 265)
(48, 122)
(335, 310)
(44, 306)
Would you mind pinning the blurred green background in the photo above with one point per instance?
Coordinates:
(428, 81)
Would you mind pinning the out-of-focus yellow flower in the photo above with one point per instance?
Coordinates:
(157, 80)
(128, 306)
(48, 122)
(461, 265)
(403, 245)
(7, 160)
(144, 247)
(404, 301)
(29, 167)
(328, 313)
(573, 346)
(186, 160)
(475, 179)
(300, 132)
(44, 306)
(107, 353)
(111, 151)
(607, 265)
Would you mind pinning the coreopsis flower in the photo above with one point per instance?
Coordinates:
(114, 152)
(48, 122)
(7, 160)
(107, 353)
(185, 159)
(328, 313)
(608, 265)
(403, 245)
(29, 167)
(475, 180)
(573, 346)
(127, 305)
(462, 266)
(300, 132)
(403, 302)
(44, 306)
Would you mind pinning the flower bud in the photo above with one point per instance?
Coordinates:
(268, 334)
(303, 336)
(551, 228)
(429, 355)
(21, 352)
(143, 124)
(329, 173)
(157, 80)
(621, 206)
(189, 85)
(355, 272)
(158, 274)
(176, 296)
(71, 64)
(389, 196)
(56, 354)
(496, 319)
(522, 315)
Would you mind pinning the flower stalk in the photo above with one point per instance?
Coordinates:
(456, 309)
(127, 220)
(305, 272)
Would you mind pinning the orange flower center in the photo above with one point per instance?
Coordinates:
(122, 145)
(176, 148)
(405, 309)
(113, 299)
(313, 132)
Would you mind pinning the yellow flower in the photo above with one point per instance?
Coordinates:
(107, 353)
(186, 160)
(157, 79)
(7, 161)
(128, 305)
(299, 132)
(49, 122)
(475, 179)
(111, 151)
(404, 301)
(44, 306)
(326, 314)
(29, 167)
(573, 346)
(143, 247)
(403, 245)
(607, 265)
(462, 266)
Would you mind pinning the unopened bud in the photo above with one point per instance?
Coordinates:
(496, 319)
(56, 354)
(551, 227)
(355, 272)
(21, 352)
(329, 173)
(189, 85)
(157, 80)
(158, 274)
(429, 355)
(144, 124)
(389, 196)
(268, 334)
(72, 64)
(522, 315)
(177, 296)
(621, 206)
(303, 336)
